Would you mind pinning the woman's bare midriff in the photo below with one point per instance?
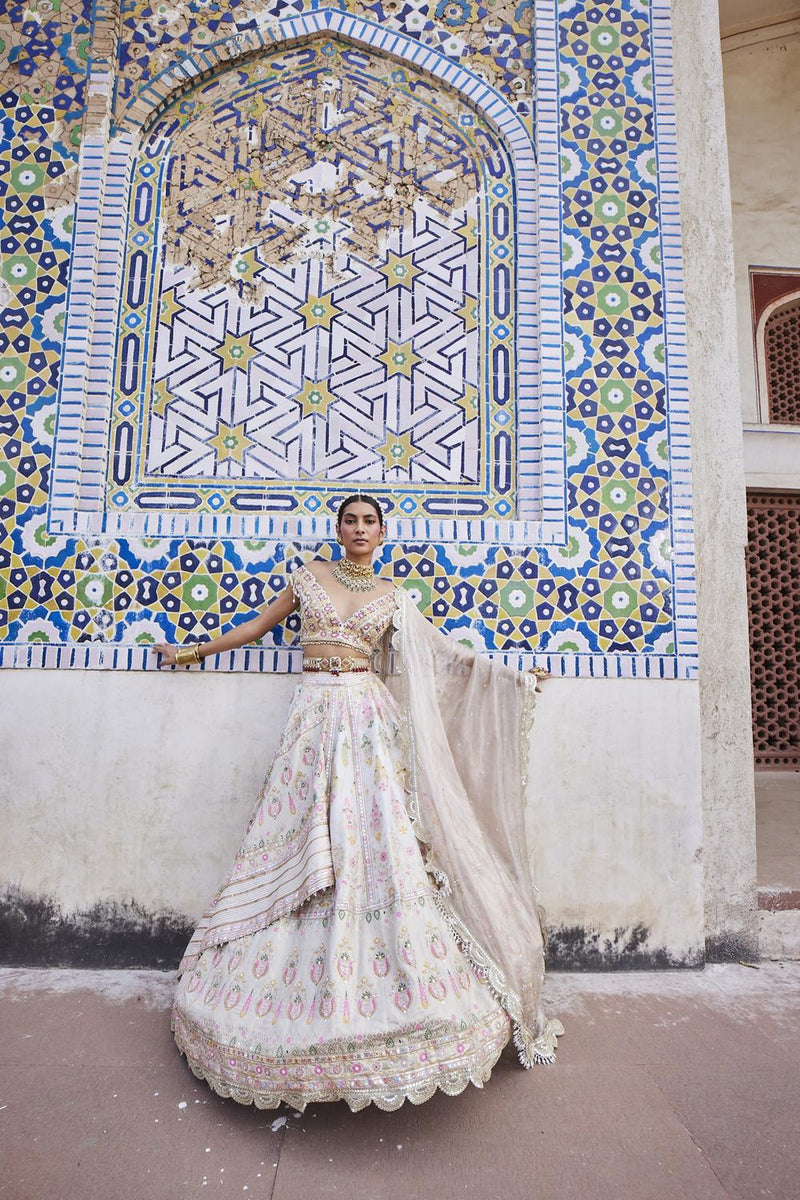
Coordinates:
(325, 650)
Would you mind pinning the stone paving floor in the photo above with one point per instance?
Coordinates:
(668, 1085)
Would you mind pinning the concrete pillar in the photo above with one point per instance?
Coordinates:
(729, 852)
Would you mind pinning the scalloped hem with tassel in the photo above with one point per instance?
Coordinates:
(541, 1050)
(451, 1083)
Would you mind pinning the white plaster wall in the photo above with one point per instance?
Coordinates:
(139, 786)
(136, 786)
(718, 483)
(615, 813)
(762, 102)
(772, 457)
(779, 934)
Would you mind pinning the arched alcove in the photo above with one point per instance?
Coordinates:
(778, 353)
(318, 292)
(465, 448)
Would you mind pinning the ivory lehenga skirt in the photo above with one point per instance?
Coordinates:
(324, 969)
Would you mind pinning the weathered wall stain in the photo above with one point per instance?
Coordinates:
(579, 949)
(36, 932)
(731, 946)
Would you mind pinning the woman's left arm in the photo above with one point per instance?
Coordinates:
(249, 631)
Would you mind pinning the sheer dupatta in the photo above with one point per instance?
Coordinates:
(468, 721)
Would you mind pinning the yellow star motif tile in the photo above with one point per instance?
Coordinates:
(255, 181)
(315, 398)
(231, 443)
(319, 310)
(471, 234)
(257, 106)
(399, 270)
(397, 450)
(469, 313)
(469, 401)
(246, 266)
(397, 106)
(161, 398)
(236, 351)
(168, 306)
(399, 358)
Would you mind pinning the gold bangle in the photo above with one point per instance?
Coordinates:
(187, 654)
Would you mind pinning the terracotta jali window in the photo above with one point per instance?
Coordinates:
(773, 576)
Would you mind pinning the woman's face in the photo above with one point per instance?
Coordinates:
(360, 530)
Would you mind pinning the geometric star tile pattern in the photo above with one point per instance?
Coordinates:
(303, 283)
(607, 590)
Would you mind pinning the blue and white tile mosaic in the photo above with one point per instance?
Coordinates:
(322, 249)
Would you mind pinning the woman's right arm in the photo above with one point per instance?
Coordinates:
(249, 631)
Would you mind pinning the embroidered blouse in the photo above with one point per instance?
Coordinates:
(321, 623)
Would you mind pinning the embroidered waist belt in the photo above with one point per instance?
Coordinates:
(335, 664)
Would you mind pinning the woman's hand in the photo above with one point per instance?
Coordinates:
(539, 673)
(167, 654)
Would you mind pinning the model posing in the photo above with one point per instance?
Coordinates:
(378, 935)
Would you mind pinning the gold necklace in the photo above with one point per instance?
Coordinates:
(354, 576)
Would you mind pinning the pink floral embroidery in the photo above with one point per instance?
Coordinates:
(261, 965)
(374, 921)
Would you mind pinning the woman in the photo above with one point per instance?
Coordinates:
(377, 936)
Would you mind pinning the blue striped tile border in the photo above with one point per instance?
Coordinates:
(117, 656)
(682, 522)
(552, 467)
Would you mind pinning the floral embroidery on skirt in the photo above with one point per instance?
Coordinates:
(341, 980)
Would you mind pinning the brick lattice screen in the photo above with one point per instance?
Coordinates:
(773, 580)
(782, 358)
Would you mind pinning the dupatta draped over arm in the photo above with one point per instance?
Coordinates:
(468, 720)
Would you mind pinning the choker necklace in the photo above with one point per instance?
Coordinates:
(354, 576)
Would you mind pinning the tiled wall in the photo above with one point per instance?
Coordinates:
(407, 247)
